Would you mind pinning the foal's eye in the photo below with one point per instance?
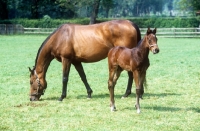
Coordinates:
(149, 41)
(31, 82)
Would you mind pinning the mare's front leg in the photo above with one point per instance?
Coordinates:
(129, 86)
(66, 68)
(139, 90)
(81, 73)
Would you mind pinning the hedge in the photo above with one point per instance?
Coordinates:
(176, 22)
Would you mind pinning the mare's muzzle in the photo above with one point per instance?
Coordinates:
(35, 97)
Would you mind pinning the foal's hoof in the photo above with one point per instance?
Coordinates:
(113, 109)
(138, 111)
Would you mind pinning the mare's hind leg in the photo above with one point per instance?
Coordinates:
(66, 68)
(129, 86)
(81, 73)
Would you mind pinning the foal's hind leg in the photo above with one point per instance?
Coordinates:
(143, 81)
(113, 77)
(81, 73)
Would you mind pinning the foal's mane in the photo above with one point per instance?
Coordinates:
(43, 46)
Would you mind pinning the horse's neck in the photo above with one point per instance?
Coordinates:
(143, 48)
(42, 63)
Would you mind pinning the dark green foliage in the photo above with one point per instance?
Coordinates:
(47, 22)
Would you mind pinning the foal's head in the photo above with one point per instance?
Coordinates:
(152, 40)
(36, 87)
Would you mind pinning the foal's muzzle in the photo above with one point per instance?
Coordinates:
(156, 50)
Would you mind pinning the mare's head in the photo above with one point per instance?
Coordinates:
(36, 87)
(152, 40)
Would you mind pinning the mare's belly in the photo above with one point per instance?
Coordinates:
(92, 54)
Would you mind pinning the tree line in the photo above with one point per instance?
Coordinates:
(65, 9)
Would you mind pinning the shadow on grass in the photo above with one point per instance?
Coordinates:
(161, 94)
(51, 98)
(98, 96)
(132, 95)
(166, 109)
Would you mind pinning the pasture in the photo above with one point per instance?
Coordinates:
(171, 100)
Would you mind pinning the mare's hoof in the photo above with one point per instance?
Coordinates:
(126, 94)
(60, 99)
(89, 97)
(89, 94)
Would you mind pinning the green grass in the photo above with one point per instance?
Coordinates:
(170, 103)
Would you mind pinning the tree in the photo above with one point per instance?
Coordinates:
(3, 9)
(189, 5)
(107, 4)
(94, 11)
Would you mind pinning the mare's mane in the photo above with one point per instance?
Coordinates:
(43, 46)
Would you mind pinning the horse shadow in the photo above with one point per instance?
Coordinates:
(166, 109)
(160, 94)
(132, 95)
(98, 96)
(146, 96)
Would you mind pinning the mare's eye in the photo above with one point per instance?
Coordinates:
(31, 82)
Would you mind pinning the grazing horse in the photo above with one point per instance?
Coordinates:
(73, 44)
(134, 60)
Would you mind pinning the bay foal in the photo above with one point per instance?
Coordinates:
(134, 60)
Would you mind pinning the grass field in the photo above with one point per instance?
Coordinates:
(171, 102)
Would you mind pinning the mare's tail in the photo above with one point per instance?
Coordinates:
(138, 31)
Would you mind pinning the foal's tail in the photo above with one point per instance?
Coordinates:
(145, 83)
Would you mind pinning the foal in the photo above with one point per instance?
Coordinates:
(135, 60)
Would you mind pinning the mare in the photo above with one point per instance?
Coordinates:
(134, 60)
(73, 44)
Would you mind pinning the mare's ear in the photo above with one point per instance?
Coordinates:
(148, 31)
(154, 31)
(32, 71)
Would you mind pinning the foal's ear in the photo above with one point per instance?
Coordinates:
(154, 31)
(148, 31)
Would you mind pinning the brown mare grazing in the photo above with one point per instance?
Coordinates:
(134, 60)
(73, 44)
